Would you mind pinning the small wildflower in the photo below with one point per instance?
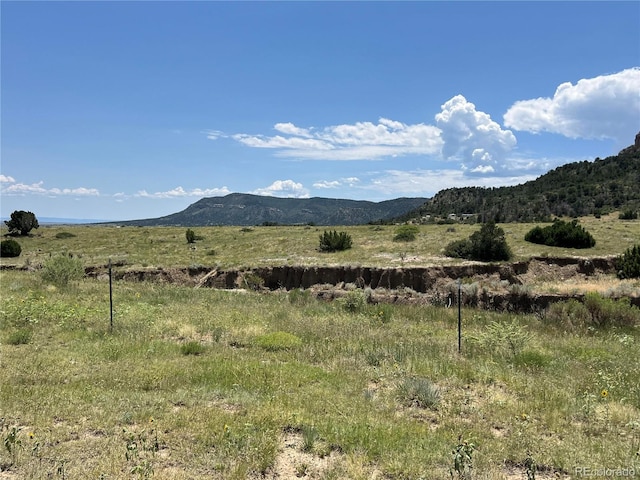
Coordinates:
(31, 435)
(604, 393)
(524, 416)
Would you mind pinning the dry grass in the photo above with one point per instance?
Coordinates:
(261, 246)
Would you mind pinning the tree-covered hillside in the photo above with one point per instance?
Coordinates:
(576, 189)
(246, 209)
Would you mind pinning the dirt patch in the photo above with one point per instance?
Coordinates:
(293, 462)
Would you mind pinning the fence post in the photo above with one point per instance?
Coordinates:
(459, 317)
(110, 299)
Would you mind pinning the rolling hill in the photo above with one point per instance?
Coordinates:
(573, 190)
(245, 209)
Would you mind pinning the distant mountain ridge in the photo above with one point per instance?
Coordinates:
(573, 190)
(246, 210)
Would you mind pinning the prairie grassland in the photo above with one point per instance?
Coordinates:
(198, 383)
(229, 247)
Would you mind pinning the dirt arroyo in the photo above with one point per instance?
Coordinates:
(518, 286)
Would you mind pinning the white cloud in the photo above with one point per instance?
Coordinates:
(327, 184)
(607, 106)
(17, 188)
(180, 192)
(214, 134)
(6, 179)
(426, 183)
(471, 136)
(359, 141)
(291, 129)
(283, 188)
(483, 169)
(461, 132)
(349, 181)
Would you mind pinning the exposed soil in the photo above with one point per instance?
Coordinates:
(520, 287)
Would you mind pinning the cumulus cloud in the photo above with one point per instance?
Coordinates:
(359, 141)
(472, 137)
(11, 187)
(607, 106)
(283, 188)
(461, 132)
(180, 192)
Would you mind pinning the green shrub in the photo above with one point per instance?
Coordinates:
(354, 301)
(10, 248)
(21, 336)
(628, 264)
(458, 249)
(60, 270)
(561, 234)
(418, 392)
(607, 312)
(628, 215)
(278, 341)
(406, 233)
(502, 339)
(595, 312)
(192, 348)
(300, 297)
(486, 245)
(191, 236)
(64, 235)
(570, 314)
(334, 241)
(253, 281)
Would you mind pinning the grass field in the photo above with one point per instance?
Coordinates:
(229, 247)
(200, 383)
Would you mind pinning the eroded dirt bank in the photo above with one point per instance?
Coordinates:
(494, 286)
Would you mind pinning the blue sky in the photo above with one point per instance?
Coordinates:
(128, 110)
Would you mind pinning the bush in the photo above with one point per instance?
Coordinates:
(64, 235)
(628, 264)
(561, 234)
(419, 392)
(191, 236)
(570, 314)
(628, 215)
(506, 340)
(253, 281)
(458, 249)
(334, 241)
(10, 248)
(595, 312)
(607, 312)
(354, 301)
(62, 269)
(486, 245)
(406, 233)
